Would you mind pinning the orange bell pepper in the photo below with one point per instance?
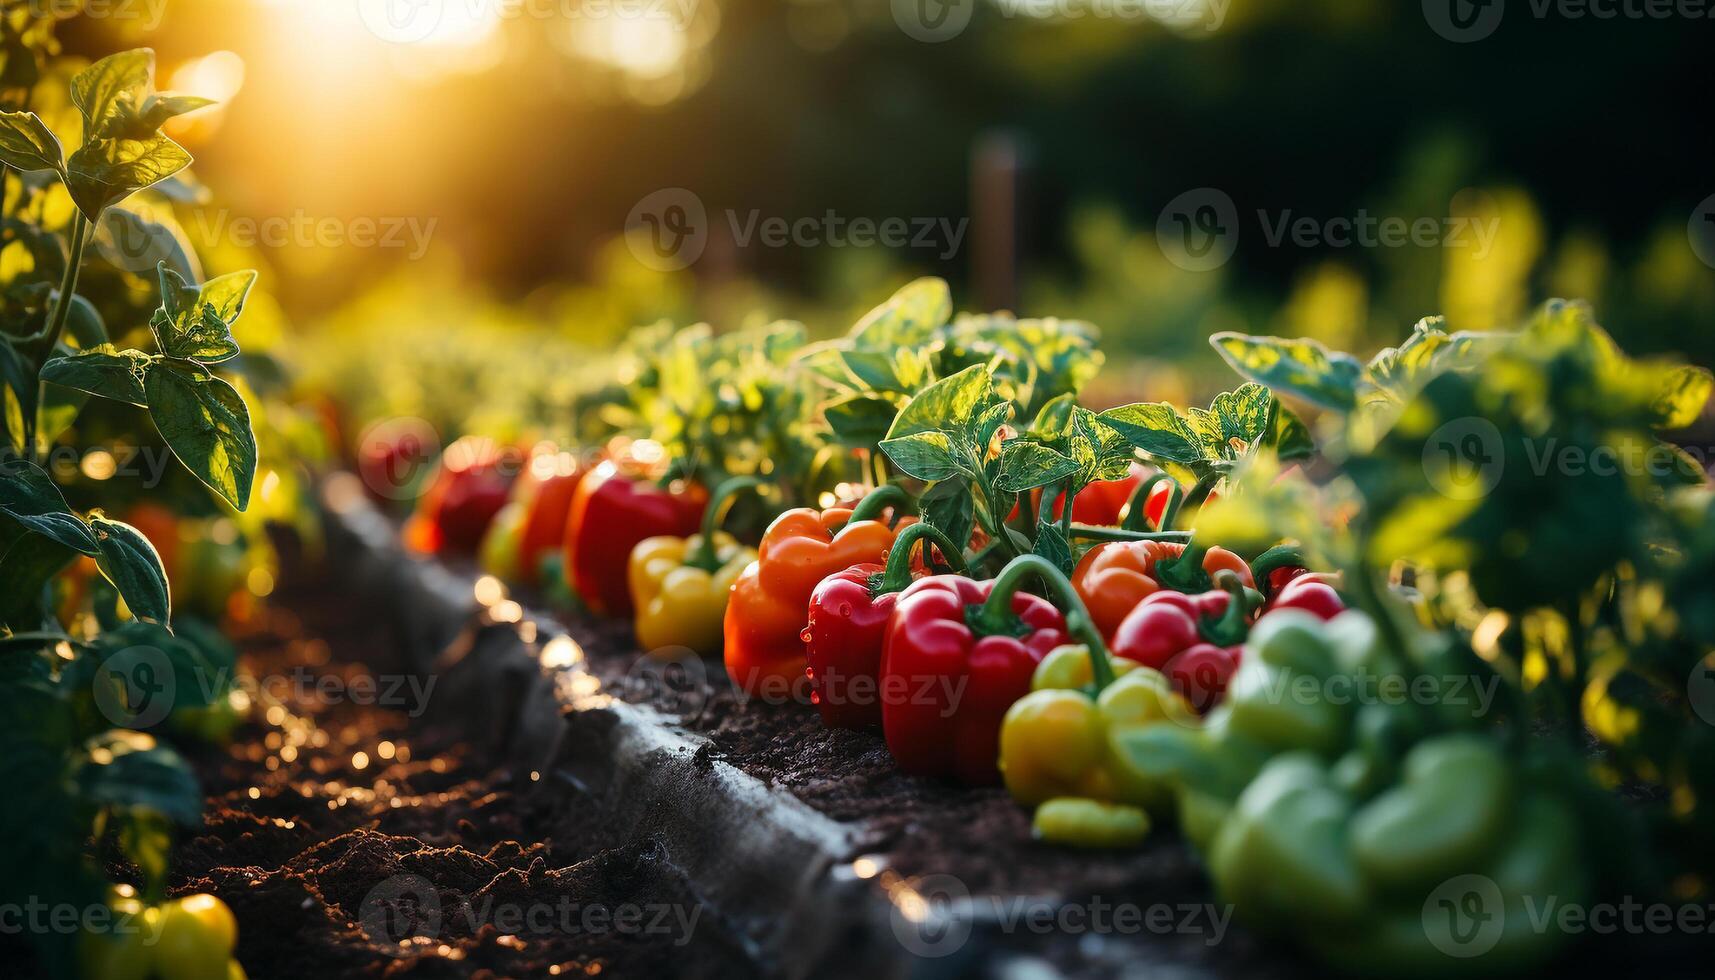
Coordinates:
(769, 608)
(1113, 578)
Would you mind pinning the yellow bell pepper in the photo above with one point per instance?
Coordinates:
(1055, 741)
(680, 589)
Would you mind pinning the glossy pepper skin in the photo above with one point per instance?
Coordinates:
(1057, 741)
(1194, 640)
(958, 661)
(553, 480)
(610, 514)
(848, 624)
(678, 603)
(769, 608)
(680, 586)
(1113, 578)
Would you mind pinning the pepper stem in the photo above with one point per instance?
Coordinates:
(898, 572)
(1088, 532)
(996, 614)
(1273, 560)
(878, 500)
(1229, 629)
(705, 557)
(1137, 508)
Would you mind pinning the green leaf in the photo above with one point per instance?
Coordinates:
(106, 90)
(874, 369)
(131, 563)
(908, 318)
(860, 420)
(105, 371)
(1155, 428)
(924, 455)
(1289, 436)
(1684, 395)
(29, 497)
(1303, 368)
(27, 565)
(104, 172)
(1052, 545)
(951, 404)
(27, 144)
(1025, 464)
(128, 770)
(950, 508)
(1055, 417)
(1242, 414)
(84, 324)
(206, 424)
(139, 243)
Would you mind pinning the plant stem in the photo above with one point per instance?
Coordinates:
(705, 556)
(57, 322)
(897, 574)
(1089, 532)
(878, 500)
(996, 613)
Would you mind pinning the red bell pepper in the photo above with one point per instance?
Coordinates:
(849, 611)
(610, 513)
(471, 483)
(1288, 584)
(1195, 640)
(958, 653)
(554, 477)
(1113, 578)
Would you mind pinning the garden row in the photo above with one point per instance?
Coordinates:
(1355, 663)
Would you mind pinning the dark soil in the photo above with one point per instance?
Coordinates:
(435, 862)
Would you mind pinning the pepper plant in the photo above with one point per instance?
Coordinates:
(68, 677)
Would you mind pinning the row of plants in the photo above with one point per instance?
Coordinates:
(1358, 628)
(115, 349)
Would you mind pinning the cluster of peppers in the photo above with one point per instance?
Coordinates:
(1378, 831)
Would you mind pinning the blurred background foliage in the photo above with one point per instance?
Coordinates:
(526, 131)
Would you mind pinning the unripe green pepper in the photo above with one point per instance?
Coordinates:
(1090, 823)
(1451, 809)
(1283, 854)
(1294, 640)
(1284, 709)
